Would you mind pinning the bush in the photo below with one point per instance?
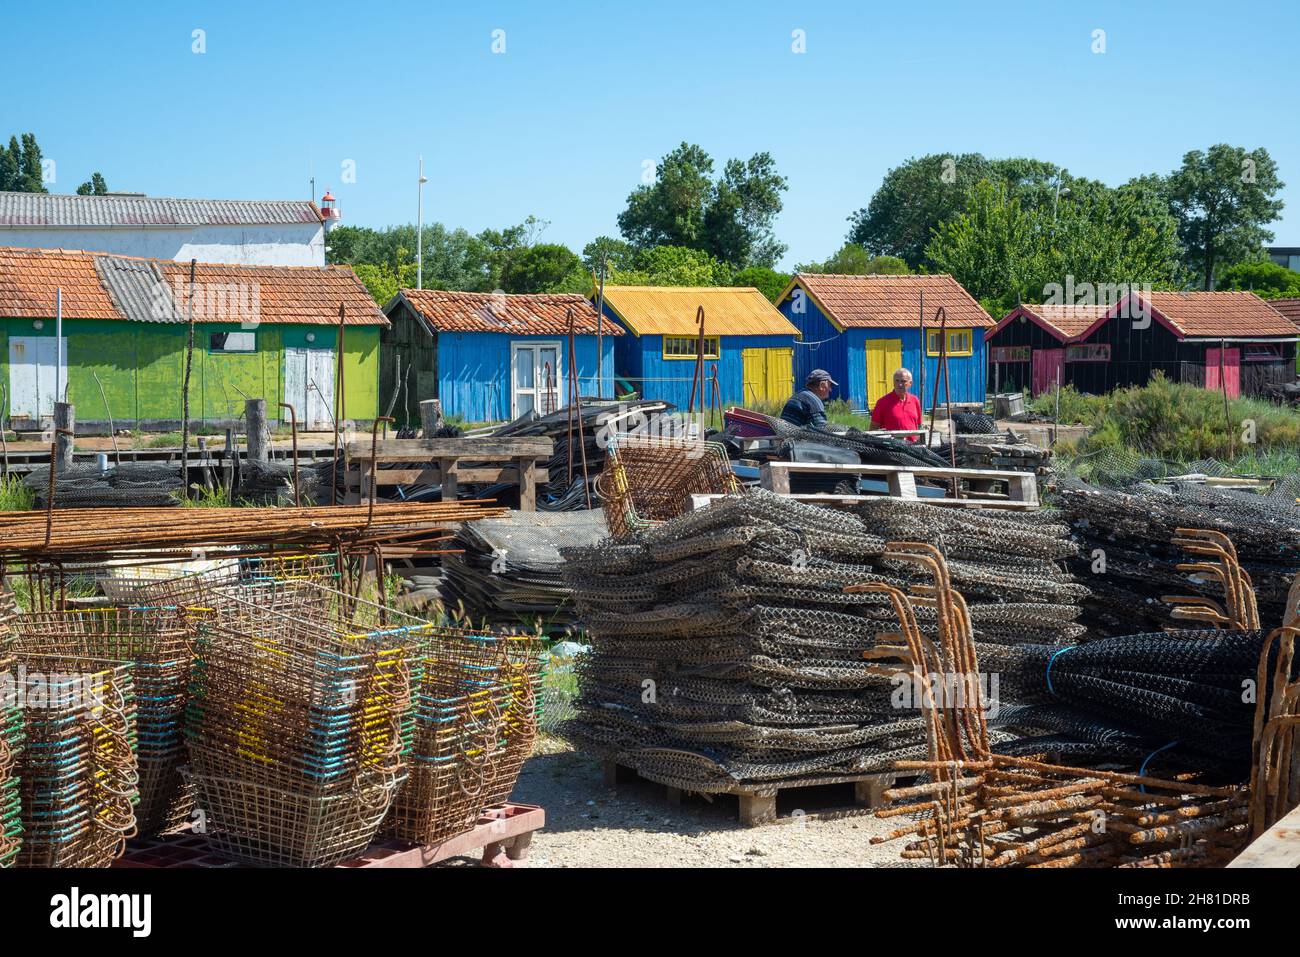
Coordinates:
(1176, 421)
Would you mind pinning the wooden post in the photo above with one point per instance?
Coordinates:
(65, 419)
(259, 436)
(430, 417)
(527, 483)
(450, 480)
(231, 455)
(203, 464)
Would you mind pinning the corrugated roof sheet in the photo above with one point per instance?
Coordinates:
(99, 286)
(891, 302)
(670, 310)
(53, 209)
(1220, 314)
(529, 315)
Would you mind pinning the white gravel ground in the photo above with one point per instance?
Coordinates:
(591, 825)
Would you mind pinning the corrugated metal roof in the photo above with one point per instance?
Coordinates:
(19, 210)
(529, 315)
(138, 289)
(100, 286)
(670, 310)
(891, 302)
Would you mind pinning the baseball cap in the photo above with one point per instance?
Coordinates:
(820, 375)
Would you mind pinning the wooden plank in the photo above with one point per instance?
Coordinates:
(1279, 846)
(485, 449)
(922, 471)
(698, 501)
(432, 475)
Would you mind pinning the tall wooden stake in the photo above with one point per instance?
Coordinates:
(185, 392)
(338, 409)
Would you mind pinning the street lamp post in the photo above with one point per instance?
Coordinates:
(419, 229)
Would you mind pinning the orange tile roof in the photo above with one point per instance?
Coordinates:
(1069, 321)
(671, 310)
(1288, 307)
(528, 315)
(1208, 314)
(890, 301)
(29, 278)
(308, 295)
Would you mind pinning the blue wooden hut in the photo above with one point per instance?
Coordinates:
(861, 328)
(746, 340)
(490, 357)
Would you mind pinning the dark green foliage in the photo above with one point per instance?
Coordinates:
(730, 219)
(1223, 199)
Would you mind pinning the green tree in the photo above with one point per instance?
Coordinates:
(20, 166)
(1223, 199)
(1004, 253)
(616, 253)
(993, 248)
(738, 220)
(95, 186)
(921, 194)
(731, 219)
(673, 266)
(852, 260)
(767, 281)
(539, 268)
(1266, 279)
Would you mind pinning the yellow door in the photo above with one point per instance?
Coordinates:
(767, 375)
(780, 374)
(883, 357)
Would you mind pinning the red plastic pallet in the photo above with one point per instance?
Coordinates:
(503, 833)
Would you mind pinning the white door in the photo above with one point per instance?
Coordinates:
(309, 387)
(33, 374)
(536, 379)
(321, 372)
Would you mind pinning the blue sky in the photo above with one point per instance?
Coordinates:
(559, 125)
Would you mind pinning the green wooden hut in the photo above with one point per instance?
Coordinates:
(267, 332)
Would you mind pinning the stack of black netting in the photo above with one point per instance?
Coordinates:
(1008, 565)
(1182, 700)
(1126, 558)
(271, 483)
(725, 650)
(571, 433)
(84, 485)
(510, 573)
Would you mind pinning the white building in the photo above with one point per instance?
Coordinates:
(239, 231)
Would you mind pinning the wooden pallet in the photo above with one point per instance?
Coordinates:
(984, 485)
(758, 802)
(503, 835)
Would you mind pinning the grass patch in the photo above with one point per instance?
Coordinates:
(14, 495)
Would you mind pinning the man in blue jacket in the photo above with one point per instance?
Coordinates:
(808, 408)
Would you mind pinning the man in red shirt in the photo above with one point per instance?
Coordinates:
(899, 409)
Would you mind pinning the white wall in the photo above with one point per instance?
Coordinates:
(290, 244)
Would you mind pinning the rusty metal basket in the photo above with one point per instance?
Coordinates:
(298, 721)
(476, 721)
(77, 768)
(155, 644)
